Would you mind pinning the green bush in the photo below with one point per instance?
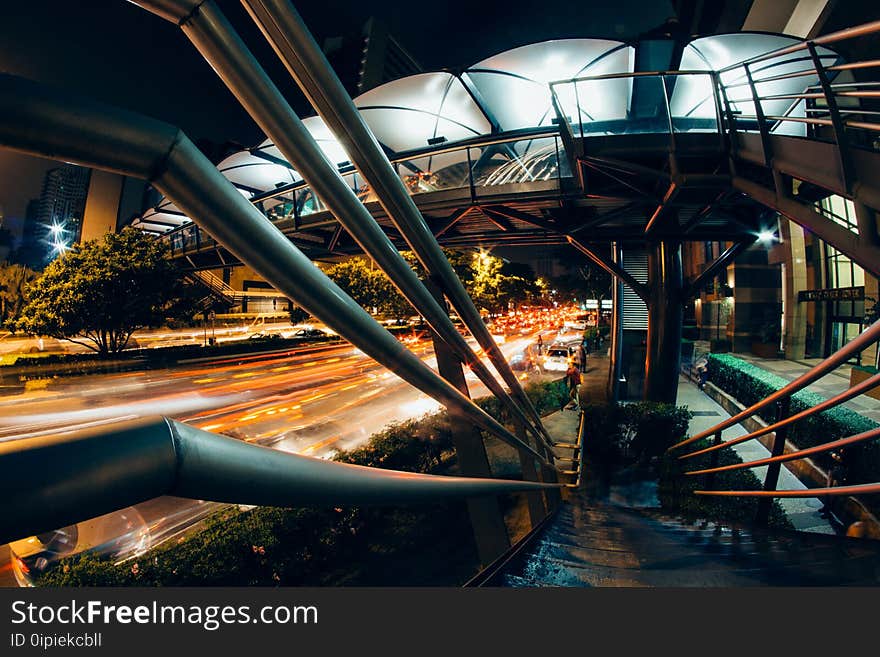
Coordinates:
(676, 489)
(637, 431)
(750, 384)
(618, 434)
(546, 396)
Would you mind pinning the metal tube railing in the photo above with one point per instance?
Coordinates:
(844, 396)
(43, 122)
(479, 142)
(221, 46)
(293, 43)
(58, 480)
(841, 35)
(871, 434)
(864, 340)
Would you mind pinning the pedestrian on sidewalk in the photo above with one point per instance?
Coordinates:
(576, 359)
(582, 357)
(573, 381)
(540, 345)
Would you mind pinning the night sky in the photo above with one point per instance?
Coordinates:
(121, 54)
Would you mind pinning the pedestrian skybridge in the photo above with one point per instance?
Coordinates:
(568, 139)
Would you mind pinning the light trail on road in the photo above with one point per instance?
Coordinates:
(314, 400)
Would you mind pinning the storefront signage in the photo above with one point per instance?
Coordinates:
(833, 294)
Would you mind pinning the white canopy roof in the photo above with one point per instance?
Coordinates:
(510, 91)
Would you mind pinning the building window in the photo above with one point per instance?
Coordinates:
(840, 211)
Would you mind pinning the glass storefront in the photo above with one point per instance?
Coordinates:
(844, 319)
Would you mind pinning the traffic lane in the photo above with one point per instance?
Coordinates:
(340, 415)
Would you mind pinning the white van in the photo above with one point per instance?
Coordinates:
(558, 357)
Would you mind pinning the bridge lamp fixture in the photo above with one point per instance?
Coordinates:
(766, 237)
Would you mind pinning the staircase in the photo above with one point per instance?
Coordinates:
(217, 289)
(592, 543)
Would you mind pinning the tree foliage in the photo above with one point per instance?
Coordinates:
(13, 280)
(493, 283)
(98, 294)
(369, 287)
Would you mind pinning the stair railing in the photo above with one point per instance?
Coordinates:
(784, 419)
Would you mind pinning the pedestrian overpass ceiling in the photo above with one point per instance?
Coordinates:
(427, 114)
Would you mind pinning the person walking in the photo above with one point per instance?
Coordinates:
(582, 357)
(540, 345)
(576, 359)
(573, 381)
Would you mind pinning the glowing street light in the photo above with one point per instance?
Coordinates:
(766, 236)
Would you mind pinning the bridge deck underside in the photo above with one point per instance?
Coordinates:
(625, 189)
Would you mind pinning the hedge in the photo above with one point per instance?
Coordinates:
(640, 433)
(750, 384)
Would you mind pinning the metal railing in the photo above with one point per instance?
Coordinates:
(830, 105)
(582, 103)
(480, 168)
(781, 399)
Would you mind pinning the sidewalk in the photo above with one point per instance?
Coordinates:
(802, 512)
(828, 386)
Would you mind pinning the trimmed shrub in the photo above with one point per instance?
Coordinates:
(676, 490)
(638, 430)
(642, 432)
(750, 384)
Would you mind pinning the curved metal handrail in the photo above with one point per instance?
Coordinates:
(54, 481)
(837, 491)
(839, 398)
(864, 340)
(794, 456)
(840, 35)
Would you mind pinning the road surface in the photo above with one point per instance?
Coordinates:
(310, 400)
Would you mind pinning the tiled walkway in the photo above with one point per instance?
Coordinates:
(828, 386)
(803, 513)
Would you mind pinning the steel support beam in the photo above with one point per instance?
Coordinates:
(859, 251)
(58, 480)
(293, 43)
(513, 213)
(665, 315)
(43, 122)
(612, 268)
(221, 46)
(693, 288)
(487, 519)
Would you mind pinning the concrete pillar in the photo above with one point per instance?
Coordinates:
(665, 315)
(792, 255)
(102, 205)
(487, 520)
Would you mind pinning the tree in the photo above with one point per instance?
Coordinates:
(369, 287)
(13, 280)
(98, 294)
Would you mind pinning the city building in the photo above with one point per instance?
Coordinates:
(62, 206)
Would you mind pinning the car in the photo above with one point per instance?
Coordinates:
(521, 362)
(309, 334)
(264, 336)
(558, 357)
(118, 536)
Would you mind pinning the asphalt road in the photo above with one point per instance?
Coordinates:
(309, 400)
